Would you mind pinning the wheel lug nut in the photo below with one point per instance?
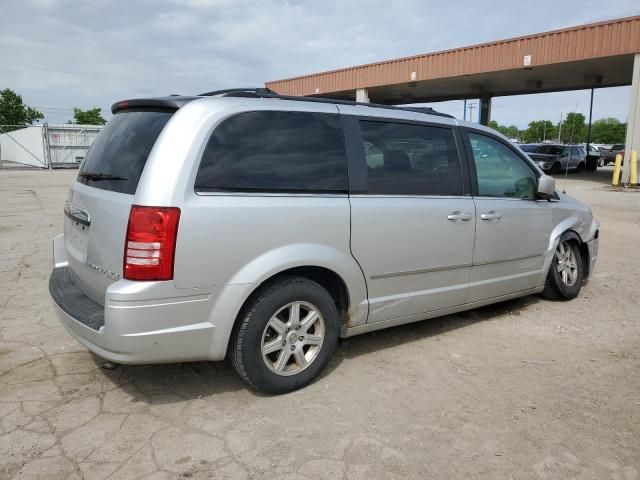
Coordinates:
(293, 347)
(284, 342)
(301, 338)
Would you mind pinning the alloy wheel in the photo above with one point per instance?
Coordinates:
(292, 338)
(566, 264)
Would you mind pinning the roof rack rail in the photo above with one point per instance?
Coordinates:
(267, 93)
(231, 92)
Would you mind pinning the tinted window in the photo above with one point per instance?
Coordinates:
(275, 151)
(117, 157)
(545, 149)
(405, 159)
(575, 151)
(501, 172)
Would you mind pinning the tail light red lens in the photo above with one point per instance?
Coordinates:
(151, 243)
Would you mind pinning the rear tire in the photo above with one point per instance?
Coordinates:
(556, 169)
(285, 336)
(580, 167)
(565, 276)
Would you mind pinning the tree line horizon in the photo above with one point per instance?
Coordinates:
(14, 114)
(572, 130)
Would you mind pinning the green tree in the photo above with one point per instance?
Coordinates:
(608, 130)
(14, 114)
(574, 129)
(511, 131)
(540, 130)
(89, 117)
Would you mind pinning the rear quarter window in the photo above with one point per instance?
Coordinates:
(274, 151)
(117, 157)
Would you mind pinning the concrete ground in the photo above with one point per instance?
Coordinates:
(524, 389)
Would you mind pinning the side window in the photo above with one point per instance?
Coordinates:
(501, 172)
(405, 159)
(275, 151)
(575, 151)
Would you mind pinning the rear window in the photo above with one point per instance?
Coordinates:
(117, 157)
(271, 151)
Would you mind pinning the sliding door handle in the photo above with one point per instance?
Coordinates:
(458, 215)
(492, 215)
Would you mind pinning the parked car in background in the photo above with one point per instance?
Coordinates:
(260, 227)
(556, 158)
(608, 155)
(593, 157)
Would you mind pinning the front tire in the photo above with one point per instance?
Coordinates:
(285, 335)
(565, 276)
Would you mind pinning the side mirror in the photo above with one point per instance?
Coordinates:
(546, 187)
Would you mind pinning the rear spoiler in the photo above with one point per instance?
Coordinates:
(173, 102)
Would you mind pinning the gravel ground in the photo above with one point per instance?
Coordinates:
(523, 389)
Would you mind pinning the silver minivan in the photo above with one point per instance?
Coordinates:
(262, 227)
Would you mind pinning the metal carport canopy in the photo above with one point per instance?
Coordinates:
(587, 56)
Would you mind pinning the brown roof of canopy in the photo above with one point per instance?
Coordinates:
(588, 44)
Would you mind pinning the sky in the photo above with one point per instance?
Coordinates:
(60, 54)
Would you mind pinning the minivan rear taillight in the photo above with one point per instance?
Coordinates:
(151, 243)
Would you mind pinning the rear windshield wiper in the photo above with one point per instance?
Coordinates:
(99, 176)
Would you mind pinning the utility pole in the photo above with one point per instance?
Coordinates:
(544, 131)
(560, 129)
(471, 107)
(464, 110)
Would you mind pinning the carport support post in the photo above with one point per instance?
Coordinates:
(589, 129)
(362, 95)
(485, 110)
(633, 120)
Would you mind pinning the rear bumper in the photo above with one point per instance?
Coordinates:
(140, 322)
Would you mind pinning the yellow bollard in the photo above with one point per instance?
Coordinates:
(616, 171)
(633, 168)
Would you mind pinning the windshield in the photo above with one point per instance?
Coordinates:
(619, 146)
(117, 157)
(547, 149)
(528, 148)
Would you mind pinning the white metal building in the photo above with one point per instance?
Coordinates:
(47, 146)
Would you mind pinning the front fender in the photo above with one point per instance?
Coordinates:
(579, 224)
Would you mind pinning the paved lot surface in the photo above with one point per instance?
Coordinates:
(523, 389)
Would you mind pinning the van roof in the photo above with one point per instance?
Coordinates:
(174, 102)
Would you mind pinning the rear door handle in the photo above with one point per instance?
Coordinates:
(458, 215)
(492, 215)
